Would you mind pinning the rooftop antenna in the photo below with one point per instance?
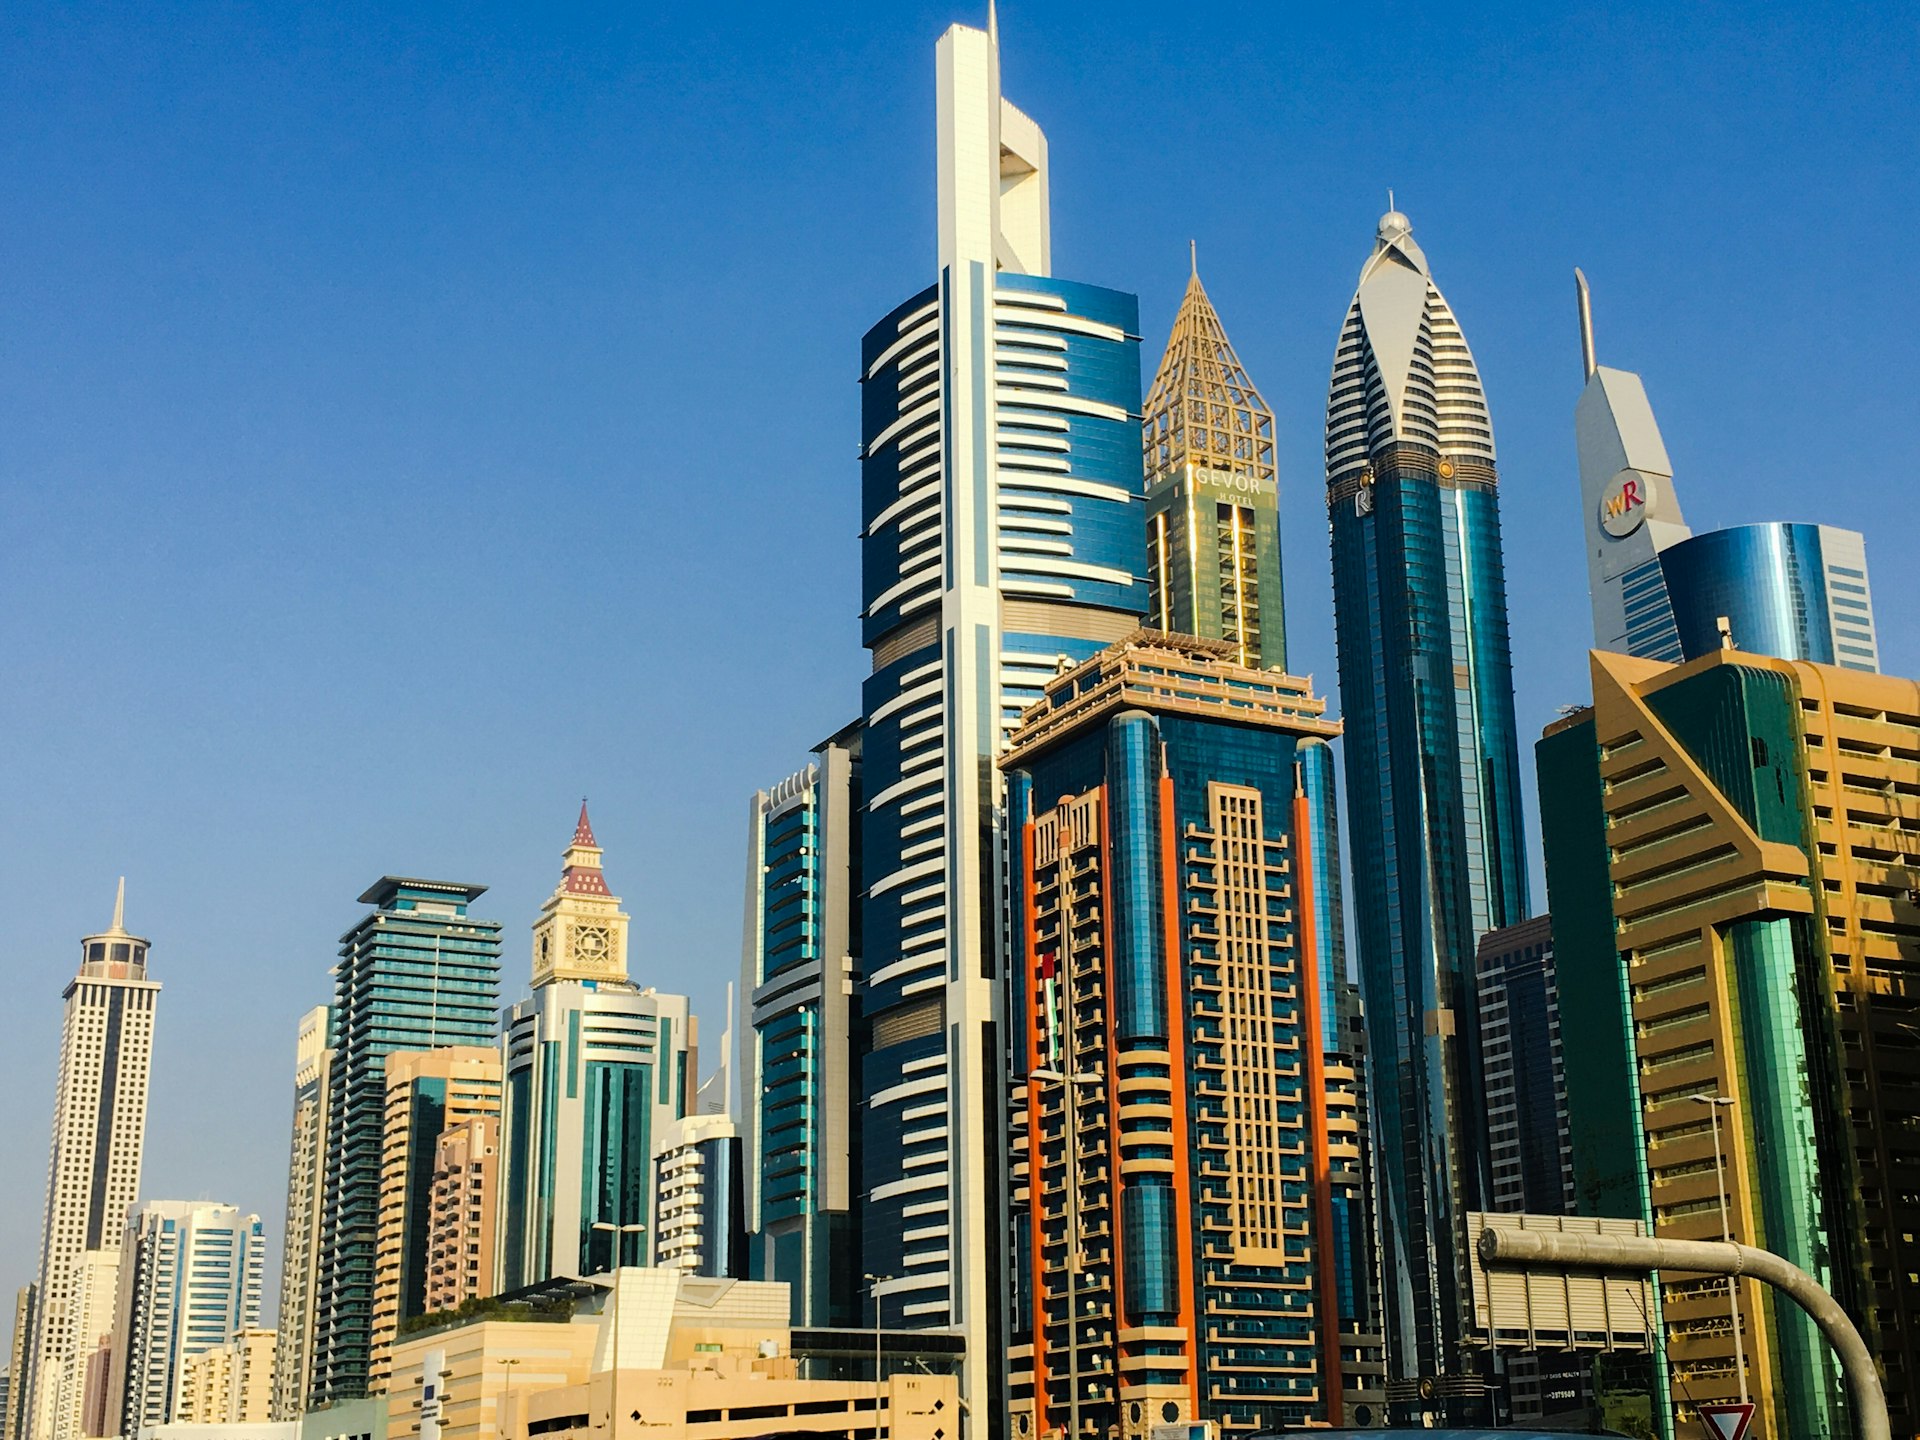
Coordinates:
(120, 907)
(1193, 257)
(1585, 297)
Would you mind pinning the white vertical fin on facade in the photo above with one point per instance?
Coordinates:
(1630, 511)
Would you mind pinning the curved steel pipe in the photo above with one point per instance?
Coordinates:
(1639, 1254)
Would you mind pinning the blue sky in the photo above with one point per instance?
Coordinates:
(412, 419)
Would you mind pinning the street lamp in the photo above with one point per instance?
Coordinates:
(1092, 1079)
(509, 1361)
(1714, 1104)
(619, 1232)
(875, 1281)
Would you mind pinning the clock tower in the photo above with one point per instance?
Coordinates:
(581, 933)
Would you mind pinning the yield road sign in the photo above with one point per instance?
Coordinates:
(1729, 1421)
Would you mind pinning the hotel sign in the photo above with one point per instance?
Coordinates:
(1623, 506)
(1249, 485)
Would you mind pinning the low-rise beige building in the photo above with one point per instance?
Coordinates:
(667, 1355)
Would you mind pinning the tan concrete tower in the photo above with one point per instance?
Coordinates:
(99, 1125)
(581, 933)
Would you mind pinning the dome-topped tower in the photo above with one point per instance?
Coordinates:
(1431, 754)
(1403, 374)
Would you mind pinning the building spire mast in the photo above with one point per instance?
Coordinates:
(1585, 299)
(120, 909)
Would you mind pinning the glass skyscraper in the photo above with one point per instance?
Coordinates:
(416, 972)
(1177, 1138)
(800, 964)
(1432, 767)
(596, 1070)
(1002, 531)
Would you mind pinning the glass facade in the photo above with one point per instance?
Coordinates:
(1784, 590)
(594, 1073)
(1720, 876)
(415, 973)
(1156, 874)
(1434, 816)
(1002, 531)
(799, 967)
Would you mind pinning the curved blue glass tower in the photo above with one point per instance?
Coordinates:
(1433, 786)
(1795, 591)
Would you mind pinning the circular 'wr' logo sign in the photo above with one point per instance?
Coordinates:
(1623, 505)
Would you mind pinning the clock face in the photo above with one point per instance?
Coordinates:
(592, 944)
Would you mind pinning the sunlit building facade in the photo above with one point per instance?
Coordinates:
(428, 1092)
(596, 1068)
(306, 1186)
(1177, 1255)
(190, 1275)
(800, 976)
(1433, 788)
(416, 972)
(1732, 869)
(93, 1173)
(1001, 532)
(1213, 494)
(1662, 592)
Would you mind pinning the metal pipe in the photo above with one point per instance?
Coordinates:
(1641, 1254)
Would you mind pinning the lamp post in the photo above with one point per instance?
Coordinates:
(619, 1232)
(509, 1361)
(1067, 1083)
(1714, 1104)
(875, 1281)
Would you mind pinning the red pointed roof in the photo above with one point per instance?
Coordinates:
(584, 879)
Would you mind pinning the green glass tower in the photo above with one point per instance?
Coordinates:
(1735, 923)
(415, 973)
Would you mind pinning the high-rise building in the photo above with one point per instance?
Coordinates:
(428, 1091)
(1733, 877)
(10, 1414)
(1529, 1155)
(189, 1282)
(1363, 1341)
(231, 1384)
(416, 972)
(1661, 592)
(306, 1187)
(99, 1124)
(800, 972)
(596, 1068)
(464, 1212)
(1525, 1083)
(77, 1382)
(1001, 532)
(1213, 494)
(700, 1210)
(1177, 1254)
(1433, 786)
